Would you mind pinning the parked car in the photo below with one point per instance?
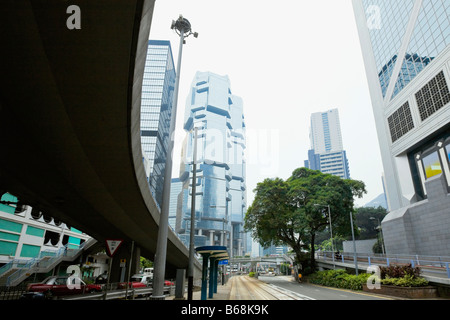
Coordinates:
(55, 286)
(142, 280)
(132, 284)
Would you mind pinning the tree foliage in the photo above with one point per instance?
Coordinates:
(368, 220)
(292, 212)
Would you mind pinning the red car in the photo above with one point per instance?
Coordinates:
(61, 286)
(133, 284)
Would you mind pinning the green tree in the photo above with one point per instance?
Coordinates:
(145, 263)
(367, 219)
(292, 212)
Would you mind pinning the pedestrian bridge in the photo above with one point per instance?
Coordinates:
(70, 118)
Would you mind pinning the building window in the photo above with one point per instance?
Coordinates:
(432, 165)
(400, 122)
(447, 149)
(433, 96)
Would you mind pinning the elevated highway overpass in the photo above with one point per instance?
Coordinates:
(70, 118)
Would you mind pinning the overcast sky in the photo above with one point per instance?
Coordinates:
(286, 59)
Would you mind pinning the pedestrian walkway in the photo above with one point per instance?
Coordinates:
(223, 293)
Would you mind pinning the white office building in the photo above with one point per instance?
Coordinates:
(406, 50)
(327, 152)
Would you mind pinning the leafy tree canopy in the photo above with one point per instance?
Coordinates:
(292, 212)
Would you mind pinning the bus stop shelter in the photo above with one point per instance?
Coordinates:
(211, 256)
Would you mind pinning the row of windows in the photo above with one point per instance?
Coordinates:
(400, 122)
(387, 32)
(431, 36)
(432, 97)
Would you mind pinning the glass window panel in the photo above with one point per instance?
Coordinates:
(432, 165)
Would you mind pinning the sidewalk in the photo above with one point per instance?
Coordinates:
(223, 293)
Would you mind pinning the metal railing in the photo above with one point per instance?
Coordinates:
(112, 292)
(437, 265)
(44, 261)
(115, 291)
(12, 293)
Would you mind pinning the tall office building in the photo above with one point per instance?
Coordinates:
(406, 50)
(156, 111)
(220, 170)
(175, 193)
(327, 153)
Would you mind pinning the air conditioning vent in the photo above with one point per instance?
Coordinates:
(400, 122)
(433, 96)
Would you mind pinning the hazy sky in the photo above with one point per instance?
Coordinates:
(286, 59)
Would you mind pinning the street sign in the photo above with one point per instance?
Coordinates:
(223, 262)
(112, 246)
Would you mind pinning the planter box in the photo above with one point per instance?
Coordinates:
(427, 292)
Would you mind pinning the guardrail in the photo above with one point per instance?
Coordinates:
(110, 293)
(114, 294)
(437, 265)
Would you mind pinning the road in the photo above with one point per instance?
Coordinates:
(284, 288)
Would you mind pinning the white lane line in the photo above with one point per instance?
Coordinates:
(291, 293)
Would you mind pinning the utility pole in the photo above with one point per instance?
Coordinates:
(183, 28)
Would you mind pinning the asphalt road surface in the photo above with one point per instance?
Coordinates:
(285, 288)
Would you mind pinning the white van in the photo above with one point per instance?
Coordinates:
(149, 272)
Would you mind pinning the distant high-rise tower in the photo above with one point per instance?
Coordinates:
(156, 112)
(221, 183)
(406, 50)
(327, 153)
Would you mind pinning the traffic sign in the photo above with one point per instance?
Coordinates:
(223, 262)
(112, 246)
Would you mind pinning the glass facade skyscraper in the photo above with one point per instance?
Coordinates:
(406, 50)
(220, 175)
(327, 153)
(156, 112)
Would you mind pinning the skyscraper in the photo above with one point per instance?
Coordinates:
(327, 153)
(406, 51)
(220, 174)
(156, 111)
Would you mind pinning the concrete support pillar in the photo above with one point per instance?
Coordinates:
(211, 237)
(216, 274)
(179, 284)
(204, 275)
(231, 242)
(212, 275)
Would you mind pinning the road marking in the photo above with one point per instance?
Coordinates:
(289, 292)
(354, 292)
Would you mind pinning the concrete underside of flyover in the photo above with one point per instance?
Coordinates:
(70, 114)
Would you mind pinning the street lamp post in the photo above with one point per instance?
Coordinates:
(192, 231)
(354, 244)
(380, 234)
(183, 29)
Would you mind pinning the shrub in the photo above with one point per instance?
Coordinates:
(339, 279)
(251, 274)
(405, 281)
(405, 277)
(394, 271)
